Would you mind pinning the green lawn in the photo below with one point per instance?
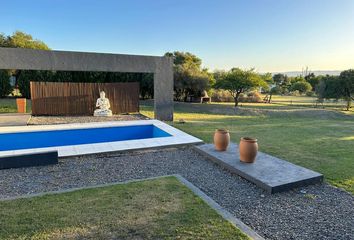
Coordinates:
(8, 105)
(154, 209)
(322, 140)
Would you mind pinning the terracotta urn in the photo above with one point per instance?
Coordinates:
(221, 139)
(21, 105)
(248, 149)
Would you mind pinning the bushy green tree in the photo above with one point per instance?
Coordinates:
(282, 81)
(238, 81)
(189, 77)
(337, 87)
(301, 86)
(267, 78)
(5, 86)
(347, 86)
(328, 87)
(312, 79)
(22, 40)
(3, 40)
(296, 79)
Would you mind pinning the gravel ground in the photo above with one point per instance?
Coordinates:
(43, 120)
(315, 212)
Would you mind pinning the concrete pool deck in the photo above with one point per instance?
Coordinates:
(178, 138)
(14, 119)
(268, 172)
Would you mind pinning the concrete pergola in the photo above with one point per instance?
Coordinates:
(161, 67)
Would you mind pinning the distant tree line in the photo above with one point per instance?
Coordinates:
(326, 87)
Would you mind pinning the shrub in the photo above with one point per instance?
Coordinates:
(5, 86)
(295, 93)
(301, 86)
(251, 97)
(310, 94)
(218, 95)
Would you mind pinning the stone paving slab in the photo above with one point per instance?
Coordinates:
(268, 172)
(14, 119)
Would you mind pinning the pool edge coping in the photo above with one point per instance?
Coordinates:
(177, 137)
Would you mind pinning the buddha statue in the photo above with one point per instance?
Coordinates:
(103, 106)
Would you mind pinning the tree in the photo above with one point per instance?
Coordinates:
(282, 81)
(238, 81)
(274, 90)
(267, 78)
(347, 86)
(189, 77)
(313, 80)
(337, 87)
(185, 58)
(5, 86)
(329, 87)
(301, 86)
(22, 40)
(296, 79)
(3, 40)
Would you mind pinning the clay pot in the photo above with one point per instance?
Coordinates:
(21, 105)
(221, 139)
(248, 149)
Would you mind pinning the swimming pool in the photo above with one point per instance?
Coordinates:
(53, 138)
(88, 138)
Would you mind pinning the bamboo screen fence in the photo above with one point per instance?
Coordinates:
(75, 99)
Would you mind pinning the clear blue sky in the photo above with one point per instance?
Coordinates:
(270, 35)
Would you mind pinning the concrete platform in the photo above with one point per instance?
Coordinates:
(268, 172)
(14, 119)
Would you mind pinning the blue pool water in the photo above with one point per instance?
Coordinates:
(41, 139)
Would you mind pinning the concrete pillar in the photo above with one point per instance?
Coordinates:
(163, 89)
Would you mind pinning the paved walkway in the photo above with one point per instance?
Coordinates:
(315, 212)
(14, 119)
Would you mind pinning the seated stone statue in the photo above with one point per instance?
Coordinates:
(103, 106)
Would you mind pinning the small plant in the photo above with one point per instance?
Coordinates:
(310, 196)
